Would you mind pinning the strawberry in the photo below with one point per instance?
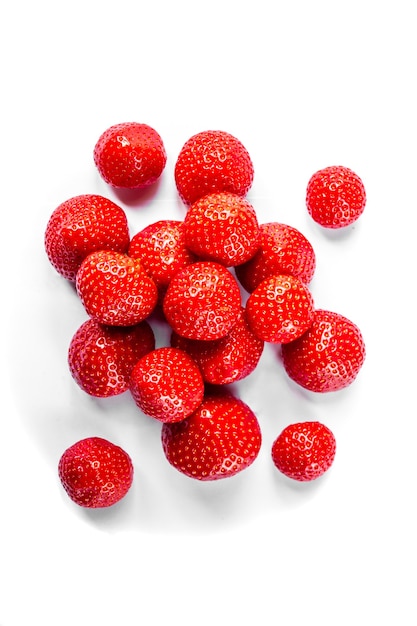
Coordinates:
(162, 251)
(212, 161)
(222, 227)
(202, 301)
(328, 356)
(167, 384)
(280, 309)
(95, 472)
(101, 358)
(221, 438)
(81, 225)
(115, 289)
(130, 155)
(335, 197)
(226, 360)
(304, 451)
(282, 249)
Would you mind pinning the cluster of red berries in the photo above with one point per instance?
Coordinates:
(193, 271)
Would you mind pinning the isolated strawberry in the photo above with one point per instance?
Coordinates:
(81, 225)
(202, 301)
(328, 356)
(95, 472)
(115, 289)
(336, 197)
(101, 358)
(212, 161)
(226, 360)
(304, 451)
(221, 438)
(280, 309)
(167, 384)
(222, 227)
(282, 249)
(130, 155)
(162, 251)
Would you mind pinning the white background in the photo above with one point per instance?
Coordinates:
(309, 85)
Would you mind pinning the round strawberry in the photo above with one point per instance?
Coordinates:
(304, 451)
(328, 356)
(222, 227)
(282, 249)
(212, 161)
(130, 155)
(221, 438)
(162, 250)
(280, 309)
(95, 472)
(167, 384)
(115, 289)
(101, 358)
(81, 225)
(202, 301)
(336, 197)
(226, 360)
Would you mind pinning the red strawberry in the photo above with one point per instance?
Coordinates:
(115, 289)
(222, 227)
(95, 473)
(130, 155)
(221, 438)
(280, 309)
(167, 384)
(202, 301)
(282, 250)
(212, 161)
(304, 451)
(82, 225)
(162, 250)
(336, 197)
(328, 356)
(101, 358)
(226, 360)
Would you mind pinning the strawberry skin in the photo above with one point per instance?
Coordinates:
(336, 197)
(95, 472)
(280, 309)
(101, 358)
(304, 451)
(282, 249)
(81, 225)
(226, 360)
(115, 289)
(130, 155)
(328, 357)
(212, 161)
(221, 438)
(166, 384)
(202, 301)
(222, 227)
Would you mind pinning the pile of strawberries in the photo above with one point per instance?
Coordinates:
(193, 273)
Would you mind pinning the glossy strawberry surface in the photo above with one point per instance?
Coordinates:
(130, 155)
(167, 384)
(212, 161)
(95, 472)
(282, 249)
(115, 289)
(101, 358)
(81, 225)
(336, 197)
(329, 356)
(221, 438)
(222, 227)
(304, 451)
